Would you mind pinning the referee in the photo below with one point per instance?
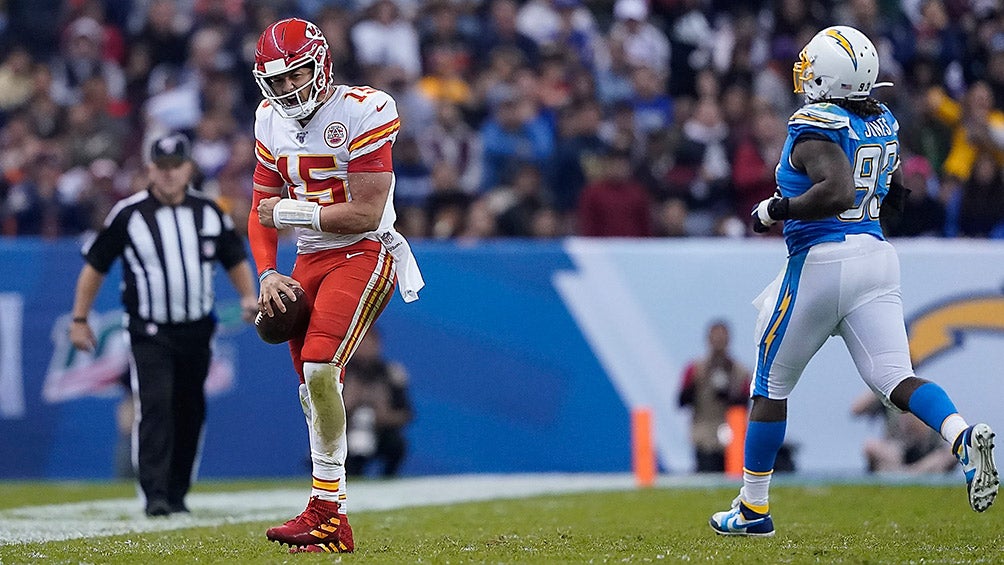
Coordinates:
(168, 237)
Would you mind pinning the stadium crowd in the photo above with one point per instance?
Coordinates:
(541, 118)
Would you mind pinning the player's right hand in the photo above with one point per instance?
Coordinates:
(760, 216)
(82, 336)
(268, 294)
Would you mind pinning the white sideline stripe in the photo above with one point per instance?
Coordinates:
(98, 518)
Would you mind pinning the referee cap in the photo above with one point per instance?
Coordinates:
(171, 149)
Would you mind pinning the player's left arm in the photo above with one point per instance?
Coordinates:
(370, 191)
(894, 204)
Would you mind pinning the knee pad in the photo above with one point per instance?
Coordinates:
(324, 391)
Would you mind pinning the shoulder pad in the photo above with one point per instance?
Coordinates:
(821, 115)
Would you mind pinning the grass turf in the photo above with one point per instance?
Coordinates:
(828, 524)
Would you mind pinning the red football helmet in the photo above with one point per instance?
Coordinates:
(287, 45)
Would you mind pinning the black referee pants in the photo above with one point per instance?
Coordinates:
(171, 364)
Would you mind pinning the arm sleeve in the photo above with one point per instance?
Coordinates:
(264, 241)
(266, 176)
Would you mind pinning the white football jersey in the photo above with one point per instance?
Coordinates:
(313, 159)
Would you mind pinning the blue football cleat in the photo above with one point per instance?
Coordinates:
(974, 448)
(740, 520)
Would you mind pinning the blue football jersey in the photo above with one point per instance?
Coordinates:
(872, 147)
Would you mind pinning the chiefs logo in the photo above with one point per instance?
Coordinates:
(335, 134)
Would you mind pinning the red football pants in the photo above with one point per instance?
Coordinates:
(349, 288)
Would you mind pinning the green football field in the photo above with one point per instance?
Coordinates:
(606, 521)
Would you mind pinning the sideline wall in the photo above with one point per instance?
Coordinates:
(523, 357)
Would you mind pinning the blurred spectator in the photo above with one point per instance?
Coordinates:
(443, 29)
(563, 27)
(47, 118)
(377, 409)
(907, 445)
(692, 39)
(671, 218)
(18, 147)
(164, 35)
(335, 24)
(92, 134)
(233, 183)
(653, 108)
(485, 86)
(551, 84)
(981, 208)
(211, 147)
(553, 22)
(480, 222)
(615, 205)
(702, 151)
(936, 37)
(923, 212)
(413, 183)
(500, 32)
(577, 154)
(35, 206)
(447, 205)
(82, 58)
(384, 38)
(642, 43)
(418, 111)
(518, 203)
(450, 142)
(16, 80)
(513, 133)
(977, 126)
(613, 77)
(710, 386)
(173, 102)
(444, 80)
(754, 158)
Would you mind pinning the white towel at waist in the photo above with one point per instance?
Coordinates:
(409, 277)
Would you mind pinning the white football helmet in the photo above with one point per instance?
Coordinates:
(839, 62)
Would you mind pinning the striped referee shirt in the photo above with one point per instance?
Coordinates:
(168, 255)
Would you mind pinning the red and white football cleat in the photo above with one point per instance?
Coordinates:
(319, 524)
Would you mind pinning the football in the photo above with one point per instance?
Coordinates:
(284, 326)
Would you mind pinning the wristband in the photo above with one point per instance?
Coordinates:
(80, 320)
(265, 273)
(778, 208)
(289, 212)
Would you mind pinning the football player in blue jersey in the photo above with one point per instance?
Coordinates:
(839, 162)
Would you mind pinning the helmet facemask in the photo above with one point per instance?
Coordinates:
(300, 102)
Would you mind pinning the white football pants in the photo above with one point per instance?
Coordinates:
(849, 288)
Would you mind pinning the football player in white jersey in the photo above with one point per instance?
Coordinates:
(838, 164)
(324, 169)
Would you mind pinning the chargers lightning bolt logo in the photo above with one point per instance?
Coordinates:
(844, 44)
(943, 327)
